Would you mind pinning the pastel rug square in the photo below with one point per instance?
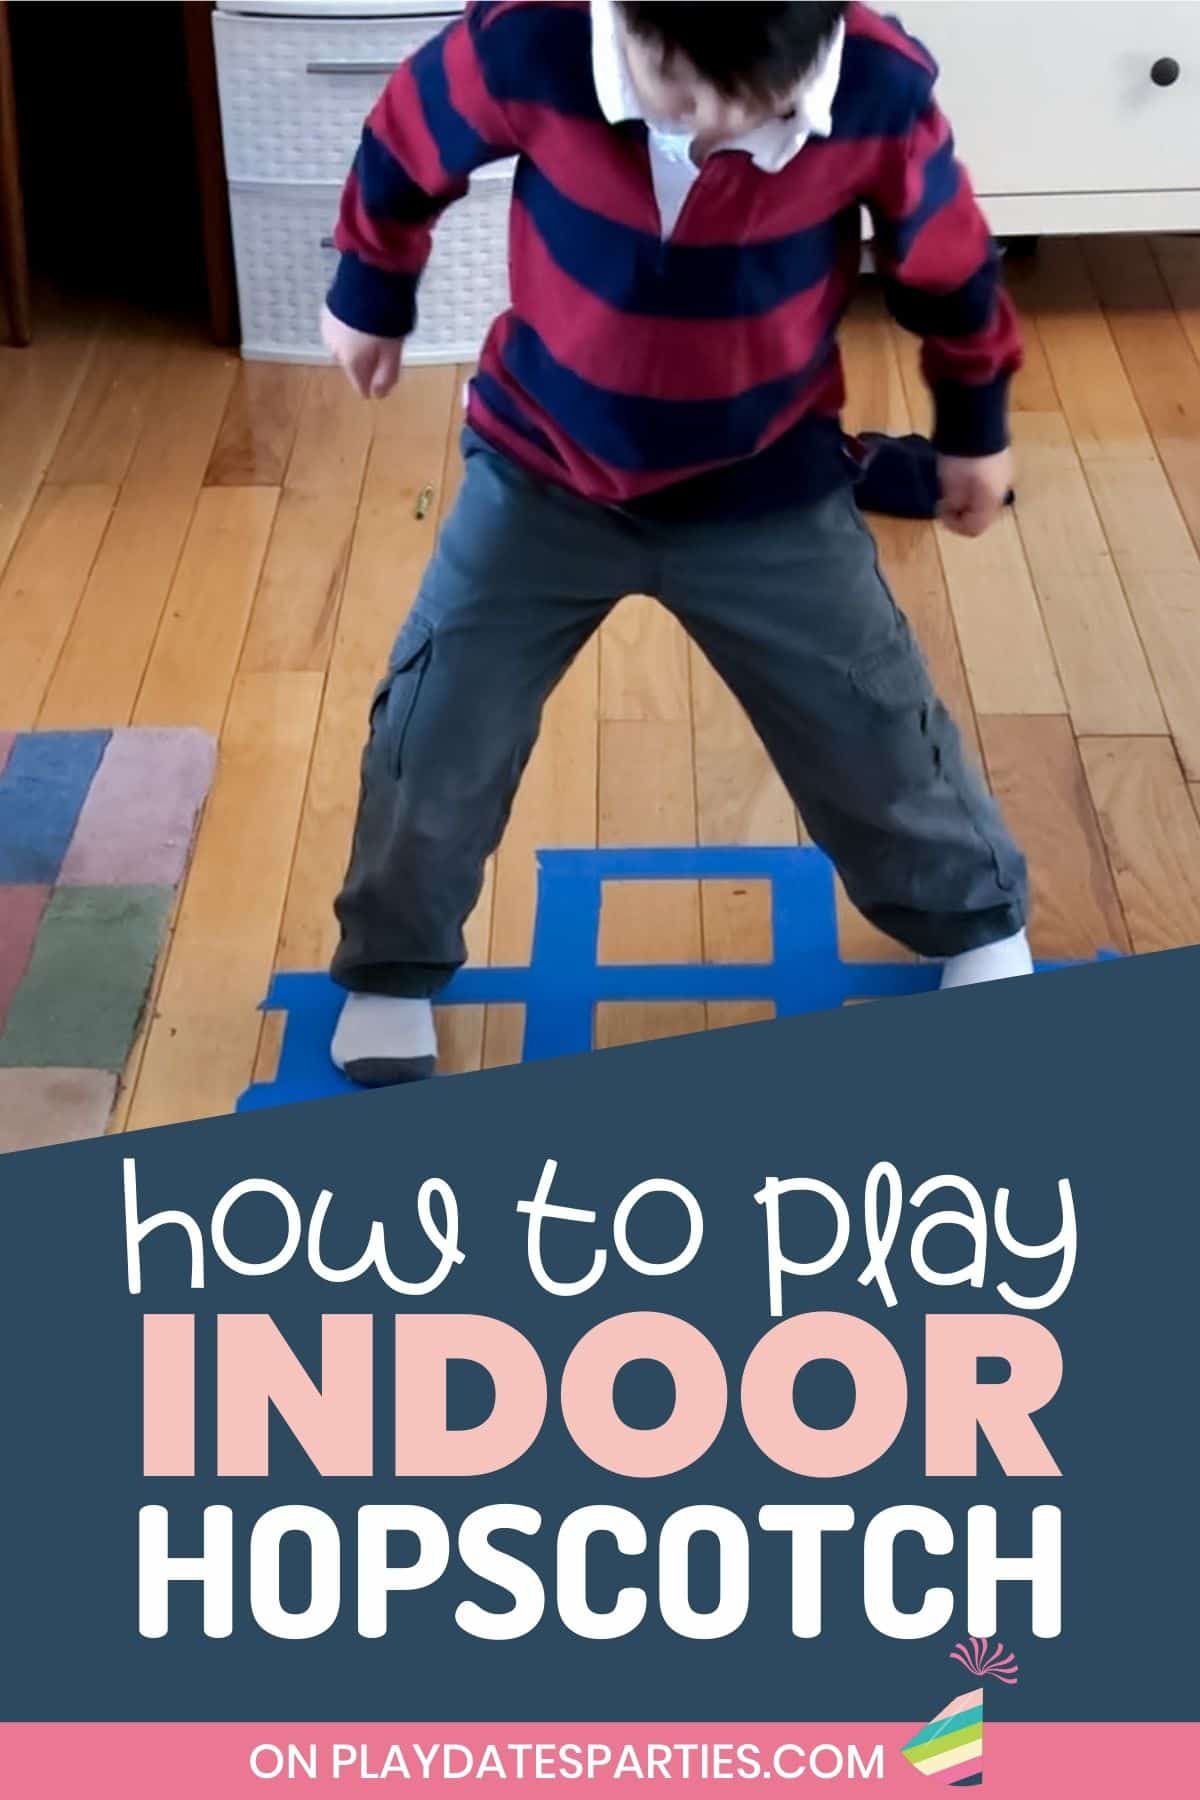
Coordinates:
(21, 910)
(138, 819)
(42, 791)
(53, 1106)
(83, 992)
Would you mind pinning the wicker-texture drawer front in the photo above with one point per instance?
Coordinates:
(285, 261)
(295, 92)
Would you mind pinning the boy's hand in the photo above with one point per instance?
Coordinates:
(974, 491)
(371, 363)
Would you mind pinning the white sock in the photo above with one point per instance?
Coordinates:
(991, 962)
(377, 1031)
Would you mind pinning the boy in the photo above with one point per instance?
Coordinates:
(658, 412)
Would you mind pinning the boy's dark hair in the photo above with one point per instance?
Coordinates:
(744, 48)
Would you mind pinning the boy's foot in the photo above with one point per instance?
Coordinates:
(381, 1042)
(991, 962)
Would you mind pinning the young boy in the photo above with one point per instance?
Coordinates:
(658, 412)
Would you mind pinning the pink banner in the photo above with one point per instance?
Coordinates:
(197, 1762)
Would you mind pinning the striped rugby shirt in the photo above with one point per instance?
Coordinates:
(698, 373)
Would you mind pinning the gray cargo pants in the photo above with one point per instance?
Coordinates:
(791, 610)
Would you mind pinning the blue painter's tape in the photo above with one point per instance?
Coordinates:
(565, 981)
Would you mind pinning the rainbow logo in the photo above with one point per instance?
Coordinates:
(950, 1748)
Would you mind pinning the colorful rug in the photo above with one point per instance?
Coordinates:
(95, 832)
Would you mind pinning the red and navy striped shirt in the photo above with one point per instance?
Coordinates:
(704, 368)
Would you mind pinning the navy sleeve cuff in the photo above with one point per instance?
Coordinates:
(969, 420)
(371, 300)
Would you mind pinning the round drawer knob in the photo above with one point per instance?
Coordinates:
(1166, 72)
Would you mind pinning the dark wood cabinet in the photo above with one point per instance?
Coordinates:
(112, 178)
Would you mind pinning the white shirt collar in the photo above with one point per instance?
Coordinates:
(772, 145)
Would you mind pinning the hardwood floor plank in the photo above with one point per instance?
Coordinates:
(1099, 655)
(40, 591)
(1160, 570)
(620, 1022)
(643, 663)
(723, 1015)
(105, 657)
(503, 1037)
(196, 653)
(1158, 359)
(1033, 388)
(739, 797)
(100, 671)
(295, 611)
(1006, 651)
(641, 922)
(964, 598)
(203, 1040)
(1097, 400)
(1039, 780)
(1179, 263)
(1153, 837)
(335, 432)
(113, 405)
(294, 618)
(183, 418)
(38, 386)
(647, 787)
(254, 444)
(736, 921)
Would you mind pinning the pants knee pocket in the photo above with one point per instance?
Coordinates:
(397, 694)
(894, 676)
(920, 750)
(896, 713)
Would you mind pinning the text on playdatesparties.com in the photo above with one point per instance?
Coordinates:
(257, 1373)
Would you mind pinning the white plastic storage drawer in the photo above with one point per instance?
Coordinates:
(285, 260)
(295, 92)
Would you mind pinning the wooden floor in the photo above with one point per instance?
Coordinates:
(188, 541)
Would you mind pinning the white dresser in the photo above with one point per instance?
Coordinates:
(1072, 117)
(1060, 111)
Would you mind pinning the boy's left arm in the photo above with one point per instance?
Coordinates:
(941, 275)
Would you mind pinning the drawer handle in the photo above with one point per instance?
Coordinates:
(351, 68)
(1166, 72)
(327, 243)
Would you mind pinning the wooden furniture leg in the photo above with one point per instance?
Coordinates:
(210, 170)
(14, 258)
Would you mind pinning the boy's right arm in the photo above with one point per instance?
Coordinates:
(436, 121)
